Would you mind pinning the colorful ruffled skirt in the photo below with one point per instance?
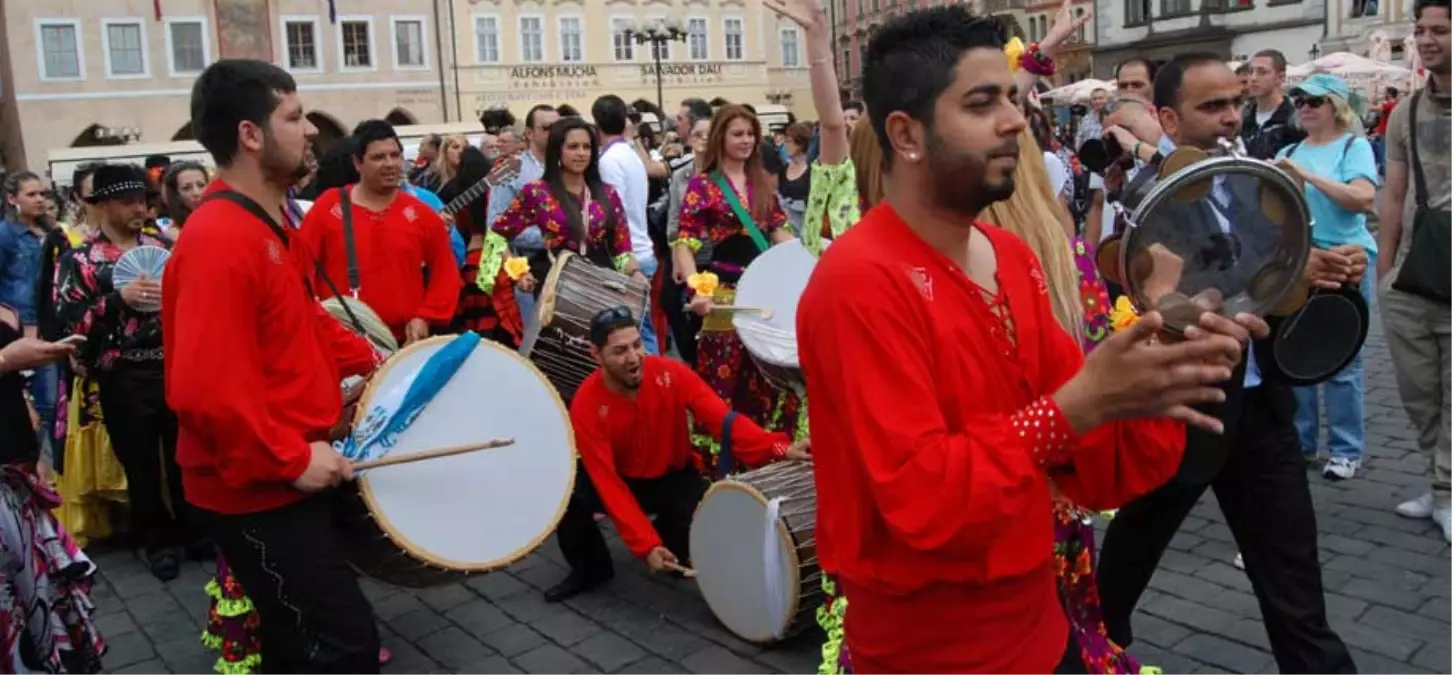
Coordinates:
(45, 583)
(723, 362)
(90, 479)
(491, 312)
(233, 626)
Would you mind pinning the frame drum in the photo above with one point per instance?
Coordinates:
(435, 521)
(753, 542)
(573, 293)
(775, 280)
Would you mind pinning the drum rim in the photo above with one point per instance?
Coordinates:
(1207, 169)
(782, 532)
(545, 307)
(404, 543)
(740, 319)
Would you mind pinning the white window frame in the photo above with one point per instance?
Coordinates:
(544, 48)
(705, 39)
(560, 32)
(726, 43)
(618, 23)
(343, 66)
(667, 52)
(498, 37)
(106, 25)
(74, 25)
(171, 50)
(317, 24)
(423, 34)
(796, 46)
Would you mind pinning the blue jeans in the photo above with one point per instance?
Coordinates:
(648, 267)
(44, 388)
(1345, 395)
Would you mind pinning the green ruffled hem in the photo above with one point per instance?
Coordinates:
(228, 607)
(830, 617)
(692, 242)
(491, 259)
(246, 666)
(1151, 670)
(621, 261)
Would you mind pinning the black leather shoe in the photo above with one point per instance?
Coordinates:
(165, 565)
(572, 586)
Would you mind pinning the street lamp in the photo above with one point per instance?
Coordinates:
(1315, 51)
(656, 34)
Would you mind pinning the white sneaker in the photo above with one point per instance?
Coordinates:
(1443, 518)
(1341, 468)
(1421, 507)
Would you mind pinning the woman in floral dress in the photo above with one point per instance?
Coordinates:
(731, 204)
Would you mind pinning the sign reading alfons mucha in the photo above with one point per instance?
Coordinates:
(535, 82)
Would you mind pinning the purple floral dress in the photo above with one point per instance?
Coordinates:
(607, 236)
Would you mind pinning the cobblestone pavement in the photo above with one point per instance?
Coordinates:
(1386, 581)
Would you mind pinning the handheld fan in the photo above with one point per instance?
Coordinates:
(148, 261)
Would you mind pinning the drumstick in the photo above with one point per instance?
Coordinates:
(433, 454)
(763, 311)
(685, 571)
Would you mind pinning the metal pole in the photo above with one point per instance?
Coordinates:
(454, 39)
(659, 86)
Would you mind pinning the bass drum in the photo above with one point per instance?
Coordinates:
(437, 521)
(573, 293)
(775, 281)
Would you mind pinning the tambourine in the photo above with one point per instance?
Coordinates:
(1224, 233)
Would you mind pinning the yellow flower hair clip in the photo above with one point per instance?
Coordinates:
(1122, 316)
(1014, 50)
(703, 283)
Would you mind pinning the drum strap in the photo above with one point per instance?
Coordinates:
(742, 214)
(726, 461)
(350, 248)
(261, 214)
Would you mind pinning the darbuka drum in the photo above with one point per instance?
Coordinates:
(573, 293)
(775, 281)
(1226, 234)
(434, 521)
(754, 547)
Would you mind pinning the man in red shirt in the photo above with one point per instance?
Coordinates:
(398, 261)
(946, 401)
(253, 372)
(634, 442)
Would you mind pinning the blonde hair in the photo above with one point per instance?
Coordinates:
(1035, 215)
(1345, 116)
(441, 167)
(867, 159)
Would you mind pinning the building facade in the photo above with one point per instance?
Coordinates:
(82, 72)
(1356, 25)
(518, 53)
(1160, 29)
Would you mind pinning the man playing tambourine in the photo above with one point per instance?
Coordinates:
(633, 435)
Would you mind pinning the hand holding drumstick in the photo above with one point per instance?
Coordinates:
(660, 559)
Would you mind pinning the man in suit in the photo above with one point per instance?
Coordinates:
(1254, 467)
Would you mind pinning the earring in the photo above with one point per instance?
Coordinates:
(912, 156)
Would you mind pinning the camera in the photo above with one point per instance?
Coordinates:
(1098, 154)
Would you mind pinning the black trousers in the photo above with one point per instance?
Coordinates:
(684, 323)
(1263, 492)
(314, 617)
(672, 499)
(143, 434)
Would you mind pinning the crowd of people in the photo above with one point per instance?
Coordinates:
(977, 395)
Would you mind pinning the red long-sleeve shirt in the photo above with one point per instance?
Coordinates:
(253, 364)
(647, 436)
(393, 246)
(934, 506)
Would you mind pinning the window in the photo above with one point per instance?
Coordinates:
(1033, 29)
(624, 45)
(356, 42)
(659, 50)
(846, 67)
(60, 49)
(409, 49)
(1174, 7)
(186, 45)
(572, 39)
(696, 39)
(486, 39)
(790, 48)
(1083, 36)
(300, 42)
(1136, 12)
(531, 39)
(125, 48)
(734, 39)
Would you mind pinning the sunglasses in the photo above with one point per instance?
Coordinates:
(606, 320)
(1312, 101)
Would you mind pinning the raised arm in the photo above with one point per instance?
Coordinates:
(832, 144)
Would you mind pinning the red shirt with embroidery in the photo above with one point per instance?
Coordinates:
(647, 436)
(253, 363)
(934, 437)
(394, 247)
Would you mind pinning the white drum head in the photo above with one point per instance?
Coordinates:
(728, 549)
(775, 280)
(481, 510)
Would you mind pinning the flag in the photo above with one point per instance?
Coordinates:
(332, 11)
(394, 410)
